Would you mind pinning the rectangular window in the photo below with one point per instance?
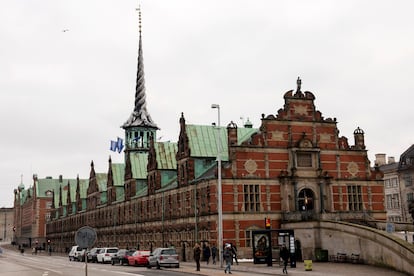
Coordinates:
(304, 159)
(251, 198)
(408, 180)
(354, 198)
(389, 201)
(394, 182)
(395, 201)
(387, 183)
(410, 197)
(248, 238)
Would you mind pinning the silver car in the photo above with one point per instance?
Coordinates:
(163, 257)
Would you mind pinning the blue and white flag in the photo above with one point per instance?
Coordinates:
(117, 145)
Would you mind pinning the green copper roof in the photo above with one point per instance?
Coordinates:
(203, 140)
(139, 162)
(118, 170)
(65, 191)
(166, 152)
(83, 186)
(102, 179)
(43, 185)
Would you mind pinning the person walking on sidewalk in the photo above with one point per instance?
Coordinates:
(206, 253)
(228, 257)
(284, 254)
(234, 252)
(214, 253)
(197, 255)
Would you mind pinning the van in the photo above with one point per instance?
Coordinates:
(77, 253)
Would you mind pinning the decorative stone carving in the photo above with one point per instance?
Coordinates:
(277, 135)
(325, 137)
(250, 166)
(353, 168)
(300, 109)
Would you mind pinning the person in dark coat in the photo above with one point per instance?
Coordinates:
(206, 253)
(197, 255)
(214, 253)
(284, 254)
(234, 252)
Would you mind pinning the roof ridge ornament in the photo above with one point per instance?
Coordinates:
(299, 84)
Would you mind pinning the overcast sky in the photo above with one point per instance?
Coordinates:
(65, 94)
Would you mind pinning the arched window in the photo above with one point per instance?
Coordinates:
(306, 199)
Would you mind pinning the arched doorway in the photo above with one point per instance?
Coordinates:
(306, 199)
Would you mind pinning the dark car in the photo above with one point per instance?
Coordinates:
(121, 257)
(92, 254)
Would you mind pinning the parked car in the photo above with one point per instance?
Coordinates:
(105, 254)
(77, 253)
(121, 257)
(163, 257)
(140, 257)
(91, 255)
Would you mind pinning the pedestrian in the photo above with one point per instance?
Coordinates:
(214, 253)
(284, 254)
(206, 253)
(228, 257)
(197, 255)
(234, 252)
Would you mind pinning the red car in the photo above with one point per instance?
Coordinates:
(140, 257)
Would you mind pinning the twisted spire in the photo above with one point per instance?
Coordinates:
(140, 116)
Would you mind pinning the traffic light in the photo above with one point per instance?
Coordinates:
(267, 223)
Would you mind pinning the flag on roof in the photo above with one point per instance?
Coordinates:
(117, 145)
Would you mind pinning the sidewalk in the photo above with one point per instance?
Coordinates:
(318, 269)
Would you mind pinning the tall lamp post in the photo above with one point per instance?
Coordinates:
(219, 199)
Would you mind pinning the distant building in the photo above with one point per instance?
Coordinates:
(398, 185)
(32, 209)
(6, 224)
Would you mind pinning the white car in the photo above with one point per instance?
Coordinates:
(77, 253)
(105, 254)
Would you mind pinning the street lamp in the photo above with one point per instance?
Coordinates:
(219, 197)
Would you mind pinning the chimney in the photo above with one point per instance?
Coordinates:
(391, 160)
(232, 134)
(380, 159)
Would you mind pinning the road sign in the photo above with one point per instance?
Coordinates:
(85, 237)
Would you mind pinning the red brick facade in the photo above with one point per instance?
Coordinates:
(294, 164)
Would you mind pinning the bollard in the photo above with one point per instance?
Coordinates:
(308, 265)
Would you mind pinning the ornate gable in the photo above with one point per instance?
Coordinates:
(110, 184)
(183, 145)
(69, 200)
